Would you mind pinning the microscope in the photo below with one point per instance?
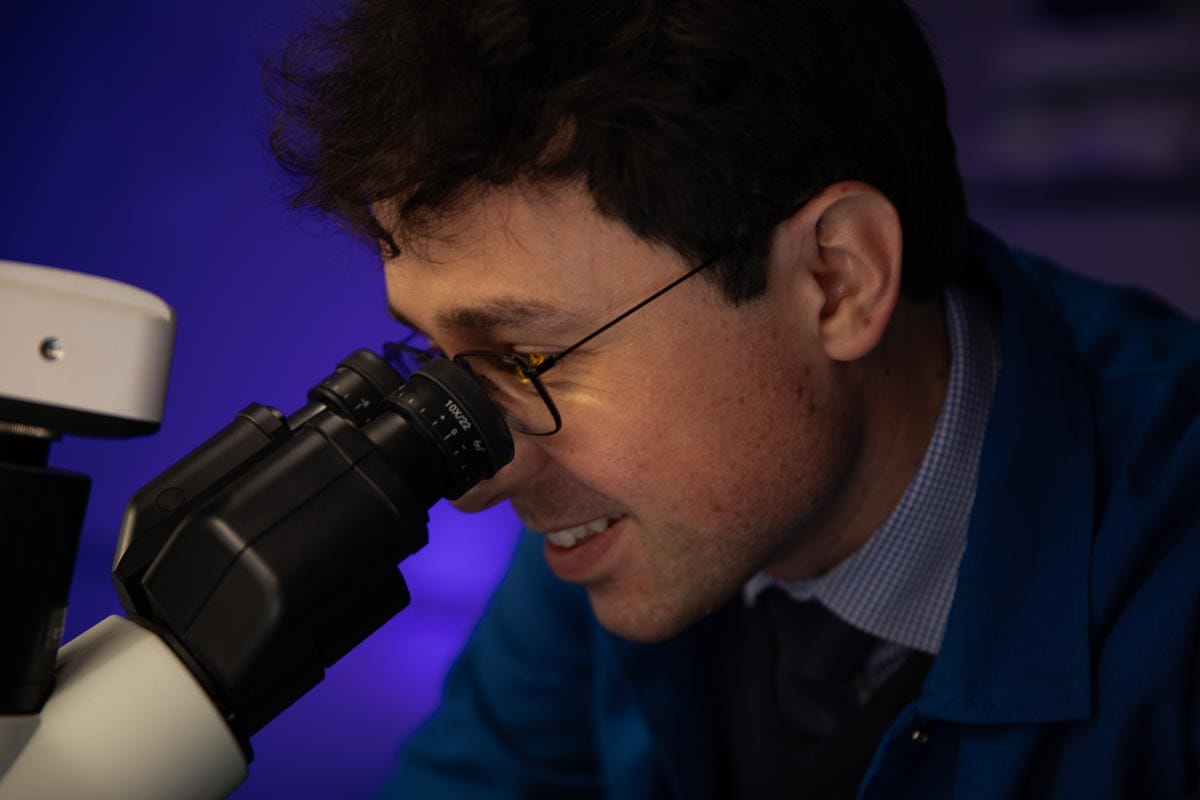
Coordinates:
(245, 569)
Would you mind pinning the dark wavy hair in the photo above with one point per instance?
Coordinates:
(699, 124)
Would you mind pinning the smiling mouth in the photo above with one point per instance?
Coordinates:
(569, 537)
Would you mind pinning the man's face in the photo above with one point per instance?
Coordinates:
(705, 439)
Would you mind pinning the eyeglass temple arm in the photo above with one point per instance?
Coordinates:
(551, 360)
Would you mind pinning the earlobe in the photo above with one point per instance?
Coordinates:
(856, 265)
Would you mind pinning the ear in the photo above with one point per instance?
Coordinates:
(848, 240)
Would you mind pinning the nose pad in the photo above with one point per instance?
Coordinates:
(528, 458)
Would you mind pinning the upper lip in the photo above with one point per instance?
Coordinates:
(553, 528)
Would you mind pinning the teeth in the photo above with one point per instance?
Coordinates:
(569, 537)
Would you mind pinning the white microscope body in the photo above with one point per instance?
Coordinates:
(126, 719)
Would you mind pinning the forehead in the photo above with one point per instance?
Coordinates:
(548, 247)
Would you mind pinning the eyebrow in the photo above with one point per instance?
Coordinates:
(499, 313)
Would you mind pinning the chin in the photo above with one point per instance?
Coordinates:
(642, 622)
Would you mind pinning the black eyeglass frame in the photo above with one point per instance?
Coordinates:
(538, 364)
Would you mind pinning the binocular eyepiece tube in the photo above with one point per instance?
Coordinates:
(271, 550)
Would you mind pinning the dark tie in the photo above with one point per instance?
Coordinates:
(800, 719)
(819, 665)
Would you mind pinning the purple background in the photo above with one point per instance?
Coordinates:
(132, 147)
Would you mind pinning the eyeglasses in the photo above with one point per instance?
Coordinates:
(513, 381)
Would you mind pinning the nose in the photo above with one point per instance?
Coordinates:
(529, 457)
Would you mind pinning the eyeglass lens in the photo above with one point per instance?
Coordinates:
(509, 388)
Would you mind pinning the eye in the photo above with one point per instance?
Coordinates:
(534, 360)
(534, 356)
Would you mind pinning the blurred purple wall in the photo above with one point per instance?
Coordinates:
(1081, 141)
(132, 147)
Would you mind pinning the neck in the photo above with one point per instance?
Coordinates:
(900, 388)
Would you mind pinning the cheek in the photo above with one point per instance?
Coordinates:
(696, 427)
(711, 440)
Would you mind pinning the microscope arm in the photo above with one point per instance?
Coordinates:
(127, 721)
